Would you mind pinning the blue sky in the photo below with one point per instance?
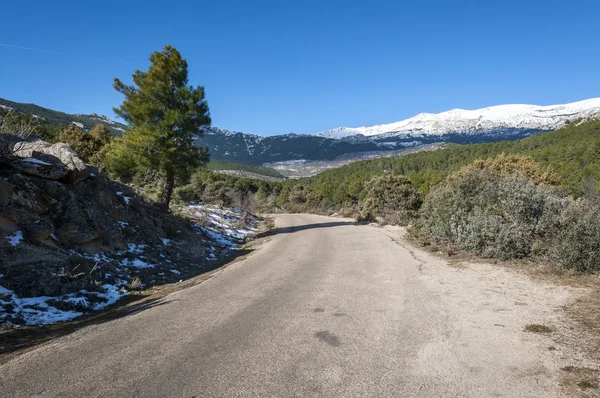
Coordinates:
(273, 67)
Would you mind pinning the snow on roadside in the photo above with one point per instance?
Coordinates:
(221, 229)
(43, 310)
(227, 228)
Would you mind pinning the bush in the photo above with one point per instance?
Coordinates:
(492, 212)
(509, 213)
(186, 193)
(504, 164)
(391, 197)
(216, 192)
(577, 243)
(15, 128)
(87, 145)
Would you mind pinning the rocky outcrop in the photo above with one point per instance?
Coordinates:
(36, 167)
(57, 154)
(77, 248)
(48, 226)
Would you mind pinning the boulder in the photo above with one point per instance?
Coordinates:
(60, 154)
(36, 167)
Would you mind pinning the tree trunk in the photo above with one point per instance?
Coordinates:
(168, 189)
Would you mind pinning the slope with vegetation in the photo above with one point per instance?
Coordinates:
(217, 165)
(573, 152)
(61, 119)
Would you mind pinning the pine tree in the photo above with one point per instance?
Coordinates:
(166, 114)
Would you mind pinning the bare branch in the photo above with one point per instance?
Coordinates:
(15, 129)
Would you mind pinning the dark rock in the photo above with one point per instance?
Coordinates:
(38, 229)
(38, 168)
(5, 195)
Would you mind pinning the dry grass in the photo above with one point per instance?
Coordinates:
(585, 312)
(268, 223)
(135, 284)
(535, 328)
(580, 381)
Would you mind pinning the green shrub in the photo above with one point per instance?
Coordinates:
(577, 242)
(186, 193)
(500, 213)
(392, 198)
(491, 213)
(504, 164)
(216, 192)
(87, 145)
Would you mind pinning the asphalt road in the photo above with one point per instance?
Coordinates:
(324, 308)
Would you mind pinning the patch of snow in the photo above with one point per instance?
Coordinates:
(14, 239)
(96, 257)
(136, 263)
(123, 224)
(127, 199)
(111, 295)
(133, 248)
(34, 310)
(80, 301)
(36, 161)
(221, 226)
(175, 272)
(165, 241)
(42, 310)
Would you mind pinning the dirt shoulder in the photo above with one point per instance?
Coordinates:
(560, 312)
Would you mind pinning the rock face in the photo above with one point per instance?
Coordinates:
(48, 226)
(57, 154)
(36, 167)
(8, 223)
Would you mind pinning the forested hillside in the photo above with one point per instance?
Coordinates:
(218, 165)
(54, 118)
(573, 152)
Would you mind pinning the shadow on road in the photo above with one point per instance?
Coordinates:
(17, 339)
(298, 228)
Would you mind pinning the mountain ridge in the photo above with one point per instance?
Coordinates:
(86, 122)
(495, 117)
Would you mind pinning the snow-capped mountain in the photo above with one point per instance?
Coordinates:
(491, 119)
